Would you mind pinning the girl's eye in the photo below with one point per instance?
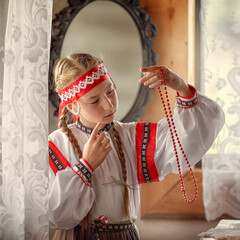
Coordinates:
(110, 92)
(94, 102)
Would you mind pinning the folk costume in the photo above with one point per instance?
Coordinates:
(75, 189)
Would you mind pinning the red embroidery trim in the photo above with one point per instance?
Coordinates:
(85, 161)
(194, 92)
(150, 152)
(139, 134)
(81, 178)
(188, 102)
(152, 170)
(63, 161)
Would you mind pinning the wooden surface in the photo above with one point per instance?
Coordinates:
(171, 18)
(164, 199)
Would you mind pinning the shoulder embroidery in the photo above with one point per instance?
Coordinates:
(56, 159)
(145, 144)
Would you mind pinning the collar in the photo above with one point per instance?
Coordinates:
(85, 129)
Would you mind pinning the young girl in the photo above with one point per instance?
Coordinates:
(97, 163)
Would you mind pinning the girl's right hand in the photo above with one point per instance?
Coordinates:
(97, 148)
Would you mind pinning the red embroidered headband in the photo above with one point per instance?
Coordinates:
(82, 85)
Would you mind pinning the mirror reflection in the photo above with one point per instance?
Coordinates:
(106, 30)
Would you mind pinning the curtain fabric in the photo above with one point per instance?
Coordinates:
(24, 165)
(220, 79)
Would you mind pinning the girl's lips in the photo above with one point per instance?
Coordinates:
(110, 114)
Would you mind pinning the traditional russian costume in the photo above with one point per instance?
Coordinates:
(75, 189)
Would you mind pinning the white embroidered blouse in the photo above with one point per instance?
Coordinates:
(75, 189)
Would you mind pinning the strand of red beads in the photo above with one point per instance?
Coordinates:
(174, 134)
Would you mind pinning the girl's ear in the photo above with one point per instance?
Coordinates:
(69, 107)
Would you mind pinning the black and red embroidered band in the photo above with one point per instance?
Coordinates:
(145, 146)
(188, 102)
(56, 159)
(82, 167)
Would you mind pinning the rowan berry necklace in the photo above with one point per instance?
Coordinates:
(175, 138)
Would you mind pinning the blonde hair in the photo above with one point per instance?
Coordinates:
(67, 70)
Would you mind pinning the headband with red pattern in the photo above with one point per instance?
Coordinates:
(82, 85)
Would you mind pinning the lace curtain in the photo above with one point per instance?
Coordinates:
(24, 116)
(220, 78)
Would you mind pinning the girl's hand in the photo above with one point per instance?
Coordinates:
(154, 78)
(97, 148)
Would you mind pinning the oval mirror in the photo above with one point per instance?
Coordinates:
(118, 32)
(114, 37)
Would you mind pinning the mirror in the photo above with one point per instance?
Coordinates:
(114, 38)
(118, 32)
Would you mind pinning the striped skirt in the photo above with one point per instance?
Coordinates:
(125, 231)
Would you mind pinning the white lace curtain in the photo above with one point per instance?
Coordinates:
(220, 78)
(24, 108)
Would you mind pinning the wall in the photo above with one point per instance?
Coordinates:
(170, 17)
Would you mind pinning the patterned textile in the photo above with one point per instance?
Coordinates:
(220, 31)
(145, 144)
(56, 159)
(85, 129)
(24, 164)
(84, 84)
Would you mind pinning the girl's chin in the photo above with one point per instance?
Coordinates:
(107, 121)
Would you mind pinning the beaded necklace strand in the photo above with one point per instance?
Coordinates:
(174, 134)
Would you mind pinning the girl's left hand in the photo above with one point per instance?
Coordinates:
(154, 78)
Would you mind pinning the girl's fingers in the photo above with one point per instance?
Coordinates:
(95, 131)
(151, 80)
(107, 150)
(101, 137)
(156, 84)
(146, 77)
(149, 69)
(105, 142)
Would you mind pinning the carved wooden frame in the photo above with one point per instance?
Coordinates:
(147, 31)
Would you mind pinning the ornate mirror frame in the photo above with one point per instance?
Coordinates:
(147, 32)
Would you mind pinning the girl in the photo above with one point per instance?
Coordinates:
(97, 163)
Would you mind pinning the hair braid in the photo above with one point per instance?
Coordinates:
(64, 127)
(85, 224)
(124, 170)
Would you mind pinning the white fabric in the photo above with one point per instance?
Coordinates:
(71, 199)
(226, 229)
(24, 165)
(220, 30)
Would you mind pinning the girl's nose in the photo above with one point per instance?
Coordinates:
(107, 103)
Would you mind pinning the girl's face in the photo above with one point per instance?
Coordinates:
(99, 105)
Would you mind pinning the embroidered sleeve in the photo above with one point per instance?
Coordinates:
(188, 102)
(145, 147)
(56, 159)
(83, 170)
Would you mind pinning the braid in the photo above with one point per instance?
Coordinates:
(64, 127)
(124, 171)
(85, 224)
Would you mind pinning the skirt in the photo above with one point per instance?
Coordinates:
(125, 231)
